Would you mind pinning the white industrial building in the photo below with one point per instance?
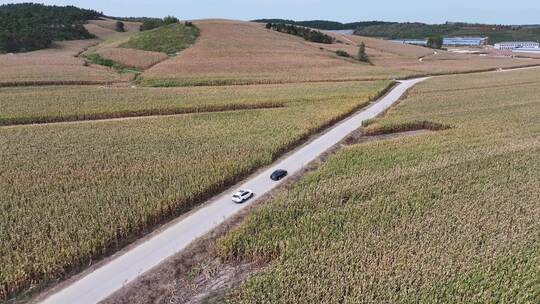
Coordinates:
(465, 41)
(517, 45)
(449, 41)
(527, 50)
(422, 42)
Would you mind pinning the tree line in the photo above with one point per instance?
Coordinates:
(28, 26)
(496, 33)
(324, 24)
(407, 30)
(157, 22)
(307, 33)
(148, 23)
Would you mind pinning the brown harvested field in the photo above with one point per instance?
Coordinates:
(379, 47)
(244, 52)
(99, 31)
(105, 28)
(492, 52)
(235, 52)
(64, 52)
(111, 24)
(55, 65)
(528, 55)
(445, 62)
(132, 57)
(61, 63)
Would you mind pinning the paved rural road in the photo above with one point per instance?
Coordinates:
(102, 282)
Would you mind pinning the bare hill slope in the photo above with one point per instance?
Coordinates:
(243, 52)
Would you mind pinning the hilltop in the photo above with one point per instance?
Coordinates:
(325, 24)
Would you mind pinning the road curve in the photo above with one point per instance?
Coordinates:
(119, 271)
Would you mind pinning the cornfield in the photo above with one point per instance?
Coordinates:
(72, 193)
(447, 217)
(69, 103)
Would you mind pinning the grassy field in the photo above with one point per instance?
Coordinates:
(70, 193)
(169, 39)
(445, 217)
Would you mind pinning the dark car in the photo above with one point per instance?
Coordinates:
(278, 174)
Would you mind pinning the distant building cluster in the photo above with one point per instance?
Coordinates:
(449, 41)
(514, 46)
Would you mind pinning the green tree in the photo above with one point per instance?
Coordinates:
(306, 33)
(152, 23)
(342, 53)
(170, 20)
(362, 55)
(120, 26)
(435, 42)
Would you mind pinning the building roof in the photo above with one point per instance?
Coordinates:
(514, 42)
(466, 38)
(527, 50)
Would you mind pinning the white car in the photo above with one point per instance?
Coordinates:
(242, 196)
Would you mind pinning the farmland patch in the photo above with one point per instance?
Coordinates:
(61, 103)
(58, 65)
(446, 216)
(96, 185)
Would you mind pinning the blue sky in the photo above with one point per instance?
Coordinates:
(430, 11)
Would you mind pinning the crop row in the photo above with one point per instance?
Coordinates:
(63, 103)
